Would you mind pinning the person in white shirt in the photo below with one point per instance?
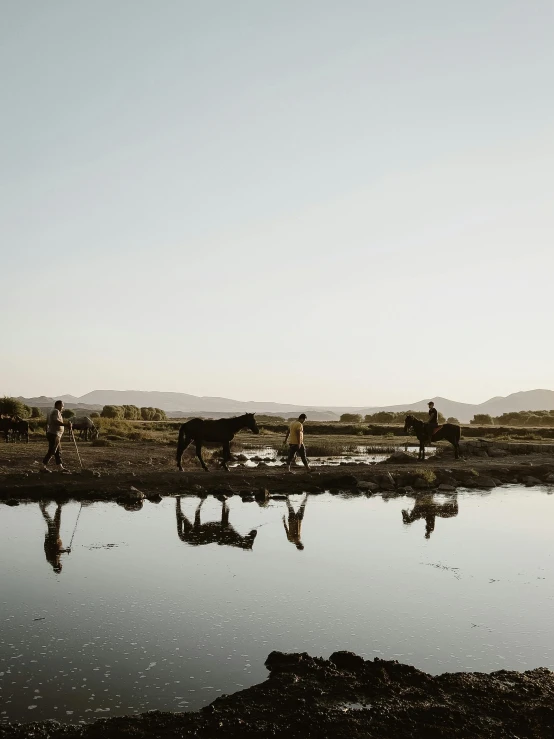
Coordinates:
(54, 429)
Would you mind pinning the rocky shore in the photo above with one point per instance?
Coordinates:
(345, 696)
(398, 475)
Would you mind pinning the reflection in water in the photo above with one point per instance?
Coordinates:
(294, 527)
(198, 533)
(53, 547)
(428, 508)
(134, 625)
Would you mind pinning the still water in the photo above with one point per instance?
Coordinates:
(358, 454)
(152, 610)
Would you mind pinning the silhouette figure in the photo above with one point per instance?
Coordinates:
(426, 507)
(449, 431)
(223, 533)
(293, 530)
(53, 546)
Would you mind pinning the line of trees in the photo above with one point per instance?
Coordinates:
(133, 413)
(515, 418)
(14, 407)
(388, 417)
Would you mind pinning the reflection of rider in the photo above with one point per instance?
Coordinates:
(53, 546)
(295, 523)
(433, 422)
(427, 508)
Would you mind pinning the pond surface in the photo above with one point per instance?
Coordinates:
(356, 455)
(152, 611)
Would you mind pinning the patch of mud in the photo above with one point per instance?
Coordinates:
(345, 696)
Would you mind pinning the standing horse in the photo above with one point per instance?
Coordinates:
(449, 431)
(224, 429)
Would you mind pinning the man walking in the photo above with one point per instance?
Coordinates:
(295, 437)
(54, 429)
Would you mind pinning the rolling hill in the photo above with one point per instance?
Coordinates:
(208, 406)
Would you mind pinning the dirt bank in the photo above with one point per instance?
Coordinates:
(111, 473)
(391, 479)
(345, 696)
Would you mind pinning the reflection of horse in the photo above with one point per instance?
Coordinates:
(449, 431)
(223, 430)
(53, 546)
(293, 530)
(426, 507)
(212, 532)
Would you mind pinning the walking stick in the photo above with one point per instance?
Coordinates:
(76, 449)
(68, 550)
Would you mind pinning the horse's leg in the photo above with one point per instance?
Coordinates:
(224, 515)
(182, 445)
(226, 454)
(199, 454)
(197, 512)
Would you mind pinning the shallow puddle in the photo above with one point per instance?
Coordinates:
(269, 455)
(167, 607)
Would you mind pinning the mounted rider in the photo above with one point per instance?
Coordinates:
(433, 422)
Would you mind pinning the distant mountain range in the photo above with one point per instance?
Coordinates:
(182, 404)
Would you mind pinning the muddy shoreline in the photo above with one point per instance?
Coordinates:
(345, 696)
(387, 478)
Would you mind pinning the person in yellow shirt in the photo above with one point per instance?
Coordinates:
(295, 437)
(293, 530)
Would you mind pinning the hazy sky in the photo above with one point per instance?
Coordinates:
(346, 202)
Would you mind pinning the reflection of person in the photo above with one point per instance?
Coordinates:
(54, 430)
(295, 437)
(293, 530)
(53, 546)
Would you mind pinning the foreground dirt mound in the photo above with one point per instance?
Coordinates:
(346, 696)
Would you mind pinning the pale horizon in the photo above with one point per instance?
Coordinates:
(307, 202)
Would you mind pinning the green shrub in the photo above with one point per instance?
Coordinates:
(94, 414)
(428, 475)
(482, 419)
(68, 413)
(36, 412)
(351, 418)
(13, 407)
(452, 419)
(112, 411)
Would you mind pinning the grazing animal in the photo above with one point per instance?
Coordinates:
(449, 431)
(426, 507)
(85, 426)
(6, 427)
(212, 532)
(20, 430)
(200, 431)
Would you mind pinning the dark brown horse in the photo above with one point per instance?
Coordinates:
(449, 431)
(200, 430)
